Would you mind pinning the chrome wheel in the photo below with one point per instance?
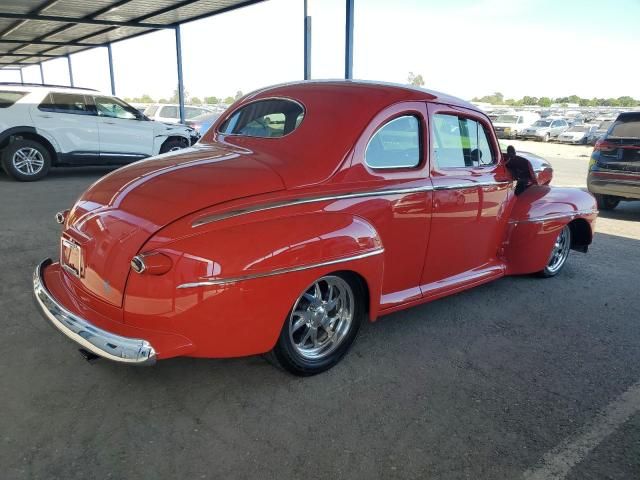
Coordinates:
(560, 251)
(321, 318)
(28, 161)
(175, 149)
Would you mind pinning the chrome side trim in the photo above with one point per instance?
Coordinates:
(301, 201)
(279, 271)
(100, 342)
(556, 216)
(471, 185)
(324, 198)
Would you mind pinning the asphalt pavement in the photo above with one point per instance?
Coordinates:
(523, 378)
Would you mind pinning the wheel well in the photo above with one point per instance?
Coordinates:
(581, 235)
(36, 138)
(356, 277)
(175, 137)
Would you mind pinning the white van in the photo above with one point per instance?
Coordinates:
(510, 125)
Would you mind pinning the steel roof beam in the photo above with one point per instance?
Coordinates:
(81, 21)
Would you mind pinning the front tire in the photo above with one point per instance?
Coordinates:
(559, 254)
(26, 160)
(546, 138)
(321, 326)
(173, 145)
(607, 202)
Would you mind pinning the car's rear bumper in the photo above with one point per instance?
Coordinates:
(619, 184)
(88, 336)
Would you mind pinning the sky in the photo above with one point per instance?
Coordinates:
(465, 48)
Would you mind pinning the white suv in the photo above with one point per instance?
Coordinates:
(170, 113)
(44, 126)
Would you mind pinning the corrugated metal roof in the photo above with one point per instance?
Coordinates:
(30, 29)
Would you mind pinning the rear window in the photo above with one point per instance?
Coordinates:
(8, 98)
(627, 126)
(264, 118)
(66, 103)
(169, 112)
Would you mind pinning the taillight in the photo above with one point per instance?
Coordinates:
(154, 263)
(604, 146)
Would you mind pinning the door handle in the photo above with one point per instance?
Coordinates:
(110, 123)
(45, 116)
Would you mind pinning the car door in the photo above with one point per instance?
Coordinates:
(391, 156)
(471, 199)
(125, 135)
(69, 119)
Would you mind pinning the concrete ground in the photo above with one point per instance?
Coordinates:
(522, 378)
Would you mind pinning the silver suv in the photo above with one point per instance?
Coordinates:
(545, 129)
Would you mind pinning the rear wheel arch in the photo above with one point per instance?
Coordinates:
(27, 133)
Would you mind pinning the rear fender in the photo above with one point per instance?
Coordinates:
(539, 214)
(230, 289)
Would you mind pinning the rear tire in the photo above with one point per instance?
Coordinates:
(173, 144)
(607, 202)
(26, 160)
(321, 326)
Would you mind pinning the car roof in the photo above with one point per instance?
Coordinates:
(398, 92)
(49, 88)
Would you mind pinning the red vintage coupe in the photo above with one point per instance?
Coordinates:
(304, 210)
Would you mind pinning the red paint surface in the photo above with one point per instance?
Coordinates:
(435, 242)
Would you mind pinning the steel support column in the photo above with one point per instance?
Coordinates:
(41, 73)
(70, 70)
(180, 79)
(348, 38)
(307, 43)
(111, 76)
(21, 76)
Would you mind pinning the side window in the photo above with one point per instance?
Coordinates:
(151, 110)
(114, 108)
(8, 98)
(191, 112)
(395, 145)
(460, 142)
(65, 103)
(169, 112)
(520, 119)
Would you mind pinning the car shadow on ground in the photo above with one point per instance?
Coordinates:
(628, 210)
(67, 172)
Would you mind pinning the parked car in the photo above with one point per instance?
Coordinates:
(601, 131)
(170, 113)
(578, 134)
(45, 126)
(545, 130)
(512, 125)
(202, 123)
(306, 209)
(614, 170)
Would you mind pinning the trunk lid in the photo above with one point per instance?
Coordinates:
(117, 214)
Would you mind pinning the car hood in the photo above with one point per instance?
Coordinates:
(114, 218)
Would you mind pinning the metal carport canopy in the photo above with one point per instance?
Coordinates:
(33, 31)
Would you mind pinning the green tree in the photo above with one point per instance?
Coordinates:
(544, 102)
(174, 98)
(229, 100)
(211, 100)
(527, 100)
(415, 79)
(196, 101)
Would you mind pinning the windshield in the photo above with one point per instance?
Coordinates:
(578, 128)
(507, 119)
(542, 123)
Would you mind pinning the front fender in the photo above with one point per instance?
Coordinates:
(538, 215)
(230, 289)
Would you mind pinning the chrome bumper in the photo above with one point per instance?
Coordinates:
(95, 340)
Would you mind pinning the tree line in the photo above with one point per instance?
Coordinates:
(145, 98)
(498, 99)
